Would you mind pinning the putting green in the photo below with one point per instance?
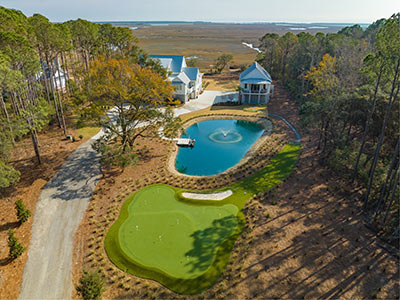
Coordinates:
(161, 231)
(185, 244)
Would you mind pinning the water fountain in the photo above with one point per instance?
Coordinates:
(220, 144)
(225, 136)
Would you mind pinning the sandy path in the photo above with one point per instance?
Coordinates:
(59, 210)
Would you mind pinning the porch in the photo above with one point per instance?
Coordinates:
(255, 93)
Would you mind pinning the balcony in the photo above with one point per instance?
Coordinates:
(254, 92)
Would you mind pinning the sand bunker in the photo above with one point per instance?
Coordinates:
(215, 196)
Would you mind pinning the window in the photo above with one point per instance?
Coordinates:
(245, 85)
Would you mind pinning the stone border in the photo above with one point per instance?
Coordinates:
(262, 120)
(214, 196)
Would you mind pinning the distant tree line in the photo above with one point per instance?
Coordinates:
(34, 55)
(347, 87)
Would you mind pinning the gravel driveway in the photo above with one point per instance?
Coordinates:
(59, 210)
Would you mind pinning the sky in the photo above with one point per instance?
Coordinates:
(339, 11)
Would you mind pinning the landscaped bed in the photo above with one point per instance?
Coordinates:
(185, 244)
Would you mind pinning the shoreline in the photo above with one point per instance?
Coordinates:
(263, 121)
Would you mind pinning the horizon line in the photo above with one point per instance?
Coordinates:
(223, 22)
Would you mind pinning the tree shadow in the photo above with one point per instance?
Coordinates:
(5, 261)
(212, 241)
(332, 257)
(30, 171)
(210, 254)
(77, 177)
(9, 225)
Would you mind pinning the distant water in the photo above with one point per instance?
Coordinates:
(295, 27)
(252, 47)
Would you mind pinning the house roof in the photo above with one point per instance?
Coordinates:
(255, 74)
(173, 63)
(181, 78)
(192, 73)
(166, 63)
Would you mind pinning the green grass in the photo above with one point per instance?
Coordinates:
(88, 132)
(189, 255)
(166, 229)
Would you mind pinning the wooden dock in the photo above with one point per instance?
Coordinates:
(185, 142)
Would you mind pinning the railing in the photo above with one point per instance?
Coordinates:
(261, 92)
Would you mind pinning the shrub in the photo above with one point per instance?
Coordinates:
(113, 155)
(16, 249)
(91, 285)
(23, 213)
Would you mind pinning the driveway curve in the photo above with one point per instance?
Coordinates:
(59, 210)
(61, 207)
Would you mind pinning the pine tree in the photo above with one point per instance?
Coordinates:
(91, 286)
(23, 213)
(16, 249)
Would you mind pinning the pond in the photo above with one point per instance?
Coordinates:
(220, 144)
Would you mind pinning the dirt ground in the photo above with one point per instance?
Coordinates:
(305, 240)
(226, 81)
(309, 239)
(103, 210)
(54, 151)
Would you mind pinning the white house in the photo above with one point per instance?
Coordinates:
(58, 77)
(186, 81)
(255, 85)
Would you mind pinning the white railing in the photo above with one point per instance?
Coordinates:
(261, 92)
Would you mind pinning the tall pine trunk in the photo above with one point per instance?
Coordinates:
(392, 197)
(59, 91)
(46, 83)
(367, 122)
(35, 143)
(3, 105)
(388, 177)
(53, 93)
(392, 98)
(66, 72)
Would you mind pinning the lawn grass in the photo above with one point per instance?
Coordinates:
(237, 110)
(88, 132)
(166, 228)
(205, 239)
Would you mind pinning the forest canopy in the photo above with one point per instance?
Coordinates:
(44, 73)
(347, 87)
